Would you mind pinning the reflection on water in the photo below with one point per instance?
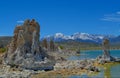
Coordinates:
(107, 73)
(109, 70)
(83, 76)
(115, 71)
(112, 70)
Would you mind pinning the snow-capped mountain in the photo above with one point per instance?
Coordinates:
(84, 37)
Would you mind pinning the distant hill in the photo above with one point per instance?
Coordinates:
(4, 40)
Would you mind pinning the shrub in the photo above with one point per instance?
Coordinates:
(2, 50)
(61, 47)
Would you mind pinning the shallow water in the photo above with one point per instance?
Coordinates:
(110, 72)
(115, 71)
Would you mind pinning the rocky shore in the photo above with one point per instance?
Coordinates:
(13, 72)
(68, 68)
(77, 64)
(63, 69)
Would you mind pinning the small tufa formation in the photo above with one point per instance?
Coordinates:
(106, 57)
(106, 47)
(24, 49)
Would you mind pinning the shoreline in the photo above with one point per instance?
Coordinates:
(62, 72)
(97, 50)
(74, 72)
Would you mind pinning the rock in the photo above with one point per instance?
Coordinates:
(7, 72)
(106, 52)
(77, 64)
(106, 57)
(93, 68)
(24, 50)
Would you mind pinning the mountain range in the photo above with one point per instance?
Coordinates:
(82, 37)
(79, 37)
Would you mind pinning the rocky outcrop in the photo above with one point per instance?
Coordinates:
(106, 57)
(106, 52)
(24, 50)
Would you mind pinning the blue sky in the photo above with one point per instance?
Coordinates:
(65, 16)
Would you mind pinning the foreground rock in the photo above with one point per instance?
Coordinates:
(24, 50)
(77, 64)
(8, 72)
(66, 69)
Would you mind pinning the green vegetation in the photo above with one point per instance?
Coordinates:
(2, 50)
(4, 40)
(61, 47)
(74, 45)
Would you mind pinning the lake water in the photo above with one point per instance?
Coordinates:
(111, 72)
(93, 54)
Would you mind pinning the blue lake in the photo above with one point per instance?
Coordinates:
(93, 54)
(113, 71)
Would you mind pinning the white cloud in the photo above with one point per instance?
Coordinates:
(20, 21)
(115, 17)
(118, 12)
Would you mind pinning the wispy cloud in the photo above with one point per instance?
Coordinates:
(118, 30)
(20, 21)
(115, 17)
(118, 12)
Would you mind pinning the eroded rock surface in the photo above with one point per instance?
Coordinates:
(24, 49)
